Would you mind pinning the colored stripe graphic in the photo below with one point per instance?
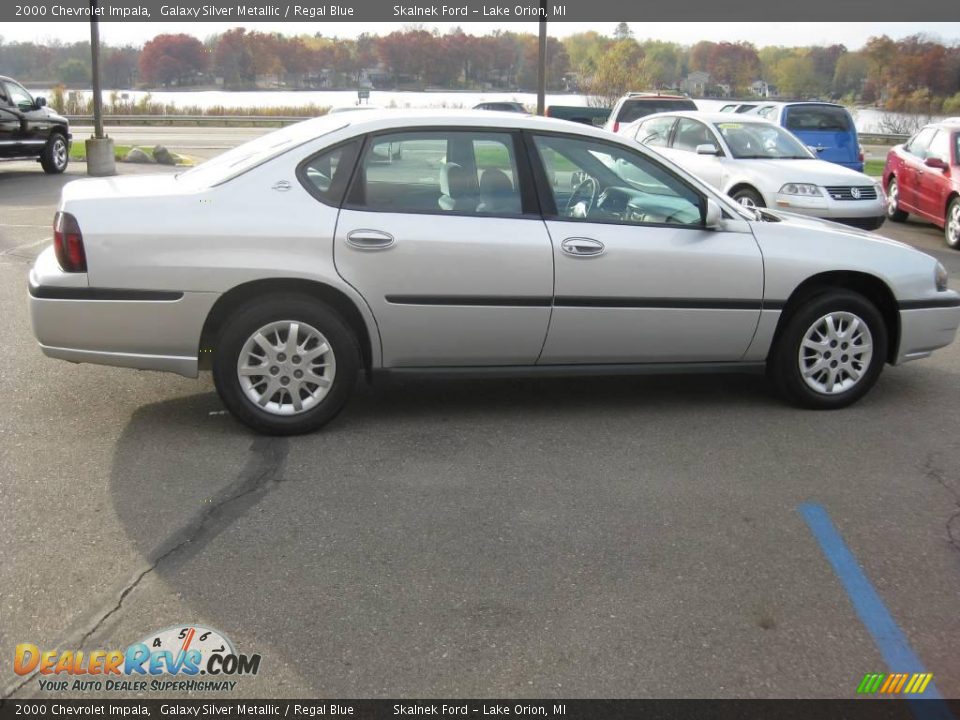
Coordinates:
(887, 635)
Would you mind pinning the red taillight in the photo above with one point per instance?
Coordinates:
(68, 243)
(861, 152)
(616, 126)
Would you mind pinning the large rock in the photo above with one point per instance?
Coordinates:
(163, 156)
(136, 155)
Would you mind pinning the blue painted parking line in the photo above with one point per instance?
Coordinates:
(887, 635)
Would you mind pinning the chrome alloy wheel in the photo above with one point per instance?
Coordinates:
(286, 367)
(835, 353)
(747, 202)
(893, 195)
(953, 225)
(59, 153)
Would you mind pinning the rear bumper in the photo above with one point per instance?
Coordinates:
(926, 329)
(126, 328)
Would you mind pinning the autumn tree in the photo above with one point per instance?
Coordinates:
(169, 59)
(233, 59)
(620, 70)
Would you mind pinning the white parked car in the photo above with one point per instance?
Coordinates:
(495, 243)
(760, 164)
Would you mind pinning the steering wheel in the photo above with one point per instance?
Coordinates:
(580, 190)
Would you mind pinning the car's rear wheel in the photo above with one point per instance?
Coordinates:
(55, 155)
(830, 352)
(285, 365)
(951, 225)
(893, 202)
(748, 197)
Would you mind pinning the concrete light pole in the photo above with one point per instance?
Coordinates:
(100, 159)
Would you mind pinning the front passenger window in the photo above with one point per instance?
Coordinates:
(609, 183)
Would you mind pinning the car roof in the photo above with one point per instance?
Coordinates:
(378, 120)
(710, 117)
(783, 103)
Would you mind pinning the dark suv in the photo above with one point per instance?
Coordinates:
(29, 129)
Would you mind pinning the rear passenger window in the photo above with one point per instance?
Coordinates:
(325, 176)
(456, 172)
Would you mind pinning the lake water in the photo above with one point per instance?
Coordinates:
(867, 119)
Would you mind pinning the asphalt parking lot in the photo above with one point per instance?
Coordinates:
(605, 537)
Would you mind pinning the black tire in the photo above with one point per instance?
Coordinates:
(893, 207)
(951, 233)
(254, 315)
(55, 155)
(749, 194)
(783, 365)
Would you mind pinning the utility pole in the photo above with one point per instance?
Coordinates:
(542, 60)
(100, 159)
(95, 68)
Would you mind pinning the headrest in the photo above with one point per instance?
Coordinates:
(495, 182)
(454, 180)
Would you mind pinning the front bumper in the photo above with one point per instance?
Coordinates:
(124, 328)
(926, 329)
(866, 214)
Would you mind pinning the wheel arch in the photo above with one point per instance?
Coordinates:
(870, 286)
(951, 196)
(328, 294)
(746, 185)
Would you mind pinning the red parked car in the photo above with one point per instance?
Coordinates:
(922, 177)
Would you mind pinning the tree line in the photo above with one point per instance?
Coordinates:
(916, 73)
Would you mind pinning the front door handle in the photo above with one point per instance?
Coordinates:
(582, 247)
(370, 239)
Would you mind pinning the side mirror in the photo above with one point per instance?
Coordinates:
(937, 163)
(40, 102)
(708, 149)
(713, 215)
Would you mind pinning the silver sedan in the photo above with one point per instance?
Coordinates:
(478, 242)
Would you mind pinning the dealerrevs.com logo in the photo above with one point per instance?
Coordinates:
(179, 658)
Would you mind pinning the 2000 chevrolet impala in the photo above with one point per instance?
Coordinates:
(466, 241)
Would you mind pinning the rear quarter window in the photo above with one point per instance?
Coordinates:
(822, 117)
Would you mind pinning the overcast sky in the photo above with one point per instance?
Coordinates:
(853, 35)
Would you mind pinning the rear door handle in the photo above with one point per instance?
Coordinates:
(370, 239)
(582, 247)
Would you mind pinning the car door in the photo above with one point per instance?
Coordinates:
(914, 153)
(9, 125)
(30, 121)
(933, 184)
(446, 245)
(689, 135)
(639, 278)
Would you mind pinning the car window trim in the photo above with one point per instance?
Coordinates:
(301, 171)
(549, 205)
(529, 207)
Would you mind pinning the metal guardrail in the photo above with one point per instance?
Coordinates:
(281, 120)
(213, 120)
(882, 138)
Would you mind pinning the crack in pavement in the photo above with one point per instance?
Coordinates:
(262, 472)
(936, 473)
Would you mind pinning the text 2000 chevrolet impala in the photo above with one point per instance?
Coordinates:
(401, 241)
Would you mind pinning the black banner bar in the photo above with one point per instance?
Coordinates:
(462, 11)
(889, 709)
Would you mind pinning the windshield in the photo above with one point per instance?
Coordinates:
(761, 140)
(250, 154)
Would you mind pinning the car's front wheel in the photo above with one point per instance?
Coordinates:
(285, 365)
(831, 351)
(55, 155)
(951, 225)
(893, 202)
(748, 197)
